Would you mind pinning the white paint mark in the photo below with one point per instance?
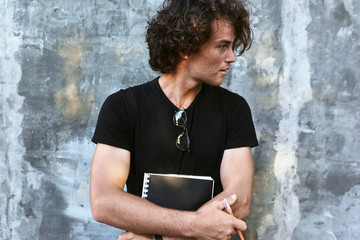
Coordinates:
(344, 32)
(349, 7)
(128, 52)
(328, 214)
(15, 172)
(332, 235)
(265, 221)
(135, 4)
(154, 5)
(307, 130)
(294, 92)
(265, 58)
(11, 179)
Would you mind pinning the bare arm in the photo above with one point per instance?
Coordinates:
(113, 206)
(237, 177)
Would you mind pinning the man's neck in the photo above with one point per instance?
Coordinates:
(179, 89)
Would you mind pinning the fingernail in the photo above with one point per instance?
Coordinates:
(233, 196)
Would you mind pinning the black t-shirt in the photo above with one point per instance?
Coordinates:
(143, 124)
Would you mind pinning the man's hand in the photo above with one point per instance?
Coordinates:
(212, 222)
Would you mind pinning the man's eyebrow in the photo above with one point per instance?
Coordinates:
(224, 41)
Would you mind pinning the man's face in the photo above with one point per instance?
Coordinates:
(212, 62)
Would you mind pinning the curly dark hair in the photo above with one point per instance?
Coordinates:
(181, 27)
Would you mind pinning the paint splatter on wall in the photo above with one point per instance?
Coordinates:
(68, 99)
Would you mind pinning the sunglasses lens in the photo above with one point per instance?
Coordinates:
(183, 141)
(180, 118)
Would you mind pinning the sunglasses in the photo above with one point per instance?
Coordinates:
(182, 141)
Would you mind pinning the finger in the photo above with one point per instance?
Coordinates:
(228, 237)
(240, 225)
(125, 236)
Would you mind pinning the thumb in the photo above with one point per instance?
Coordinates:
(232, 199)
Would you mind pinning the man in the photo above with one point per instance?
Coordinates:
(191, 42)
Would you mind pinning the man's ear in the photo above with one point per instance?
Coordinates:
(184, 56)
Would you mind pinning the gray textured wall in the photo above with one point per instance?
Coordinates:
(60, 59)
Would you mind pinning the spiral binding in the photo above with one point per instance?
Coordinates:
(145, 186)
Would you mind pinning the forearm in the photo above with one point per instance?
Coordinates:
(177, 238)
(131, 213)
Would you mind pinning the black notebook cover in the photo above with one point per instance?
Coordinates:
(182, 192)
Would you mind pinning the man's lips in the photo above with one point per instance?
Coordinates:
(224, 70)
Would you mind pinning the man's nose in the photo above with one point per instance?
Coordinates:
(231, 57)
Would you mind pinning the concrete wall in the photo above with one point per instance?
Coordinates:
(60, 59)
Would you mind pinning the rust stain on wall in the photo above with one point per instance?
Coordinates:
(69, 100)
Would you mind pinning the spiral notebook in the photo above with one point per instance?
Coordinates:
(182, 192)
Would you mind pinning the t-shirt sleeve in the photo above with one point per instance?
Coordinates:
(113, 126)
(241, 130)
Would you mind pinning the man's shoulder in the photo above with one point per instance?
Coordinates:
(224, 94)
(136, 90)
(141, 87)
